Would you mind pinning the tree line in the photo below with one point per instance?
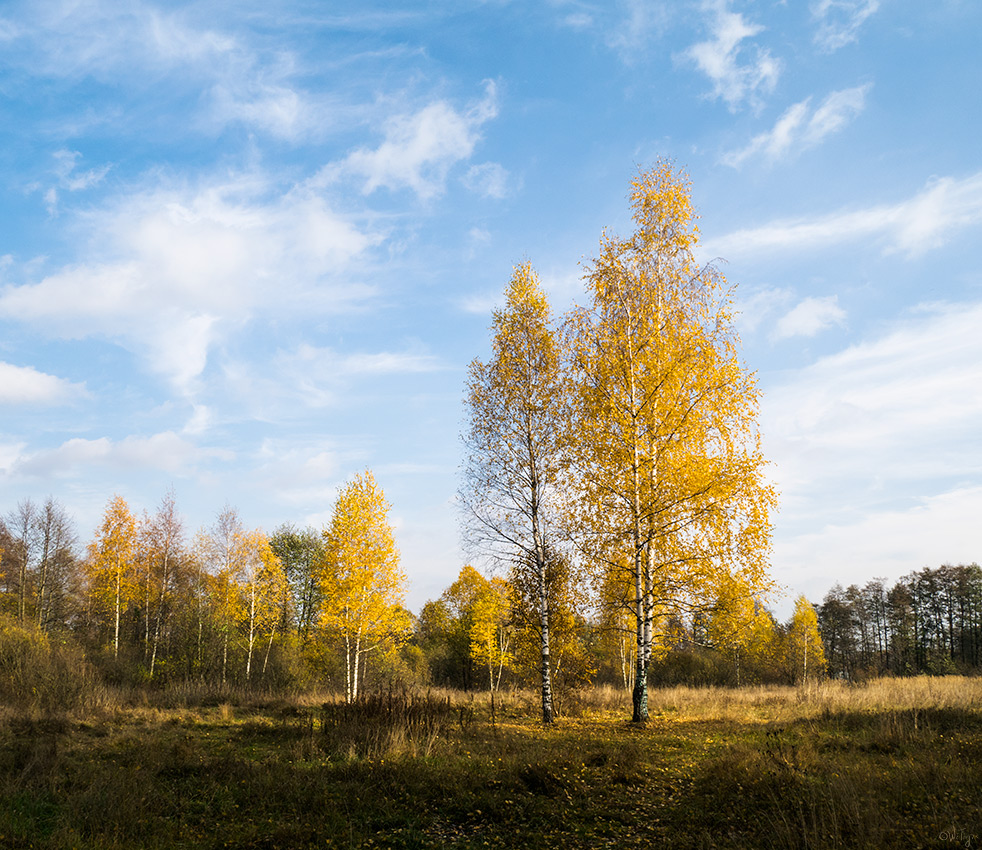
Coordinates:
(929, 621)
(150, 604)
(230, 605)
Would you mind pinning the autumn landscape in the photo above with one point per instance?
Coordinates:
(613, 677)
(490, 424)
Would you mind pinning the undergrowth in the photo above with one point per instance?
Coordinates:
(888, 764)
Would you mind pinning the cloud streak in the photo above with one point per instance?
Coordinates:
(809, 317)
(233, 80)
(912, 227)
(839, 21)
(165, 451)
(886, 409)
(801, 128)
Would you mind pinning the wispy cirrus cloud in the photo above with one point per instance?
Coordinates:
(809, 317)
(165, 451)
(940, 528)
(801, 127)
(738, 73)
(70, 178)
(891, 406)
(310, 376)
(640, 21)
(231, 78)
(876, 454)
(489, 179)
(839, 21)
(420, 148)
(911, 227)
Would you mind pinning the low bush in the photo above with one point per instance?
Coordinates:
(38, 673)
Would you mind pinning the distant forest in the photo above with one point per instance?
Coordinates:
(181, 616)
(930, 621)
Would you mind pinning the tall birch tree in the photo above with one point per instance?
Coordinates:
(112, 563)
(513, 447)
(664, 433)
(362, 586)
(263, 592)
(161, 555)
(223, 553)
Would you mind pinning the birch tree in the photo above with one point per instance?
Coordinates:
(222, 551)
(805, 654)
(300, 551)
(56, 542)
(112, 562)
(362, 586)
(263, 591)
(664, 436)
(161, 554)
(490, 631)
(513, 448)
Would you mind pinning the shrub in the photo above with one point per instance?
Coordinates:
(37, 674)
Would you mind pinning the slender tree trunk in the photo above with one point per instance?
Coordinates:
(354, 689)
(347, 666)
(146, 619)
(546, 664)
(22, 588)
(156, 625)
(43, 580)
(252, 630)
(119, 579)
(269, 647)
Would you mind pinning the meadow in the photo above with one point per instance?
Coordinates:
(890, 763)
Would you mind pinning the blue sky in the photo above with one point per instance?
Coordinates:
(247, 252)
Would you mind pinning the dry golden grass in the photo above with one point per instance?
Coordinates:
(888, 764)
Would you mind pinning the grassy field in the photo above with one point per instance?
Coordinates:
(896, 763)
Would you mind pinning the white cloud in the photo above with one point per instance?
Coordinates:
(304, 474)
(839, 21)
(877, 446)
(127, 42)
(420, 148)
(904, 406)
(939, 529)
(169, 271)
(809, 317)
(578, 20)
(311, 376)
(489, 180)
(165, 451)
(480, 303)
(799, 128)
(8, 30)
(25, 385)
(755, 306)
(911, 227)
(737, 75)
